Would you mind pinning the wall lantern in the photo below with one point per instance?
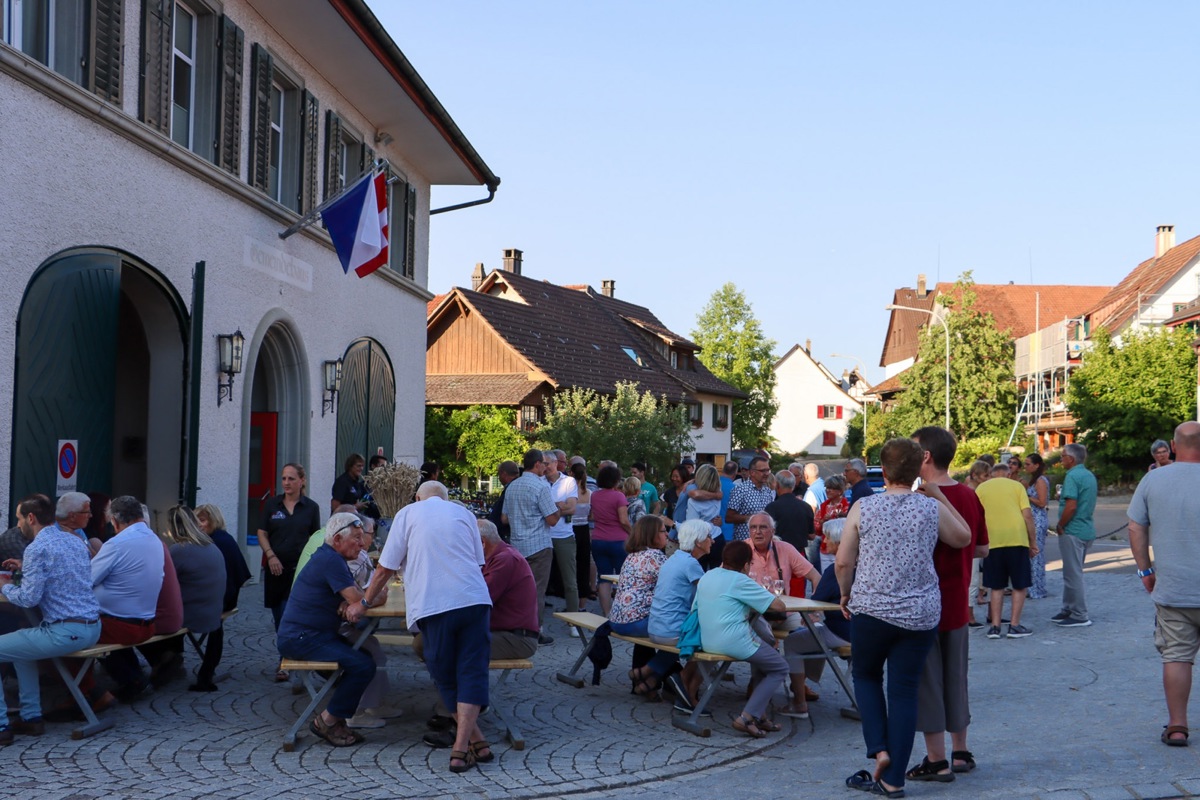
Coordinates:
(229, 362)
(333, 385)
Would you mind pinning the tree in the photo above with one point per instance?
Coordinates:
(983, 393)
(624, 427)
(734, 349)
(471, 442)
(1124, 397)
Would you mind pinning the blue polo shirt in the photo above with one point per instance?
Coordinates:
(726, 491)
(316, 596)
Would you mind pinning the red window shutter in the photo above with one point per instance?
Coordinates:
(820, 412)
(828, 439)
(839, 412)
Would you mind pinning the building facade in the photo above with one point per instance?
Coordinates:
(153, 153)
(815, 406)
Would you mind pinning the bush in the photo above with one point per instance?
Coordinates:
(969, 450)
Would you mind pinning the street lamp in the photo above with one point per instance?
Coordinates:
(861, 371)
(946, 330)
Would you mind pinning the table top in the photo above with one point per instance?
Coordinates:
(804, 604)
(394, 607)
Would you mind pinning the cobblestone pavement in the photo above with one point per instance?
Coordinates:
(1062, 715)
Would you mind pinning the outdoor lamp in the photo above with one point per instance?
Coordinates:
(229, 362)
(333, 385)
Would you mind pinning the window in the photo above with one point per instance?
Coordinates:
(531, 416)
(402, 223)
(183, 77)
(720, 416)
(629, 351)
(829, 412)
(674, 360)
(79, 39)
(1177, 307)
(695, 413)
(344, 151)
(283, 142)
(828, 439)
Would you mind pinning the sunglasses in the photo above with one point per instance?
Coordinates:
(356, 524)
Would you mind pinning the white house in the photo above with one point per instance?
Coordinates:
(814, 405)
(154, 150)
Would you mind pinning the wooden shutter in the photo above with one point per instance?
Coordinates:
(820, 412)
(230, 49)
(410, 231)
(333, 154)
(104, 66)
(261, 76)
(155, 102)
(839, 412)
(310, 156)
(366, 159)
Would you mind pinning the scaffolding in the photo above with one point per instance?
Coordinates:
(1045, 360)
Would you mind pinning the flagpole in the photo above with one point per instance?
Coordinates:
(311, 216)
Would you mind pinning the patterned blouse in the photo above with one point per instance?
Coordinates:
(895, 581)
(635, 587)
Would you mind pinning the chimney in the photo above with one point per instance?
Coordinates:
(921, 285)
(477, 277)
(608, 287)
(512, 261)
(808, 346)
(1164, 239)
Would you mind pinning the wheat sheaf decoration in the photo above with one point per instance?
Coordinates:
(392, 486)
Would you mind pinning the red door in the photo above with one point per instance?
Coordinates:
(263, 429)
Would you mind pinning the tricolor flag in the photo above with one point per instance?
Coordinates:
(358, 225)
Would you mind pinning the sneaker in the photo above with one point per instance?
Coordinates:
(1018, 632)
(573, 632)
(974, 624)
(439, 739)
(543, 639)
(384, 712)
(365, 720)
(1060, 616)
(1074, 622)
(994, 632)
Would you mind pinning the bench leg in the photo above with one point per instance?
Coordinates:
(510, 729)
(832, 660)
(691, 723)
(572, 677)
(318, 695)
(94, 724)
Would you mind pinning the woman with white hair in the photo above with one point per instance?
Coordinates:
(673, 595)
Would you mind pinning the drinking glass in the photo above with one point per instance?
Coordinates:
(777, 587)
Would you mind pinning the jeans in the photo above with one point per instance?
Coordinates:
(564, 556)
(358, 668)
(888, 726)
(635, 628)
(1073, 551)
(24, 648)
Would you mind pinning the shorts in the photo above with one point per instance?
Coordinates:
(1177, 633)
(1005, 565)
(942, 701)
(609, 557)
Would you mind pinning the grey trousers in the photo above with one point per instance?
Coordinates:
(770, 664)
(1074, 551)
(568, 569)
(507, 646)
(539, 564)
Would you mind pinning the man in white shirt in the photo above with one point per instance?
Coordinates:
(564, 491)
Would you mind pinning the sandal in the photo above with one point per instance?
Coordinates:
(965, 756)
(468, 759)
(881, 790)
(749, 726)
(794, 711)
(336, 734)
(931, 771)
(648, 686)
(281, 676)
(860, 780)
(480, 757)
(1171, 730)
(770, 726)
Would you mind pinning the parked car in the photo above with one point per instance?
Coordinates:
(875, 478)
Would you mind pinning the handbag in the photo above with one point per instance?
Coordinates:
(689, 635)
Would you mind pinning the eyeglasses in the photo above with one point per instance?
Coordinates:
(355, 524)
(761, 469)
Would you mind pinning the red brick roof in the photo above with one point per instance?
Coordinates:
(434, 303)
(1116, 308)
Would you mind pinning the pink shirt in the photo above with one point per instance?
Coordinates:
(793, 565)
(605, 503)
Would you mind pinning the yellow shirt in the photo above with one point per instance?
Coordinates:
(1003, 500)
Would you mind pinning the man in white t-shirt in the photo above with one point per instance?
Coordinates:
(565, 493)
(436, 544)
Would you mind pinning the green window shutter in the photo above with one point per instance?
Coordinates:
(333, 154)
(366, 159)
(230, 49)
(410, 231)
(261, 76)
(104, 67)
(310, 159)
(155, 64)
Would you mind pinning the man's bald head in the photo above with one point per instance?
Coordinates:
(430, 489)
(1187, 442)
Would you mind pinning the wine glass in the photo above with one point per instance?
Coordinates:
(777, 587)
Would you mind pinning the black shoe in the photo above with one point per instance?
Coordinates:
(439, 723)
(132, 691)
(202, 687)
(6, 736)
(439, 739)
(544, 639)
(30, 727)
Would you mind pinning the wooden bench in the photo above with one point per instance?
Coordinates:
(585, 623)
(311, 671)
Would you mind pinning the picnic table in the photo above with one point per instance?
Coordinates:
(807, 608)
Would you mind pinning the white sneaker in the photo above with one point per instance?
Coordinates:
(364, 719)
(573, 632)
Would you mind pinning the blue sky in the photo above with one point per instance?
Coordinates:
(818, 155)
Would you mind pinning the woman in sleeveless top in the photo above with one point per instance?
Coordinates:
(1039, 497)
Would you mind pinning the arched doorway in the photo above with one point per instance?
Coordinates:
(277, 410)
(101, 344)
(366, 412)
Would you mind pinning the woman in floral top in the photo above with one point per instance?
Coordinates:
(630, 612)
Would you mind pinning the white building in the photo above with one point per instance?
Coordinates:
(815, 407)
(153, 152)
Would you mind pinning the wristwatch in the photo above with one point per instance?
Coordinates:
(1144, 572)
(364, 602)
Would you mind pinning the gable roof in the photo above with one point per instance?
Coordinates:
(799, 352)
(577, 338)
(506, 389)
(1018, 309)
(1119, 306)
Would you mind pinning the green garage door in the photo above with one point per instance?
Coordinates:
(367, 403)
(66, 372)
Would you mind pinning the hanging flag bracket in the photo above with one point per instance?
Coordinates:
(312, 216)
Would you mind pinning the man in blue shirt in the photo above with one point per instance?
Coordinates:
(56, 578)
(1076, 532)
(856, 475)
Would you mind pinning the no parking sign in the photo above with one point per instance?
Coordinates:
(67, 466)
